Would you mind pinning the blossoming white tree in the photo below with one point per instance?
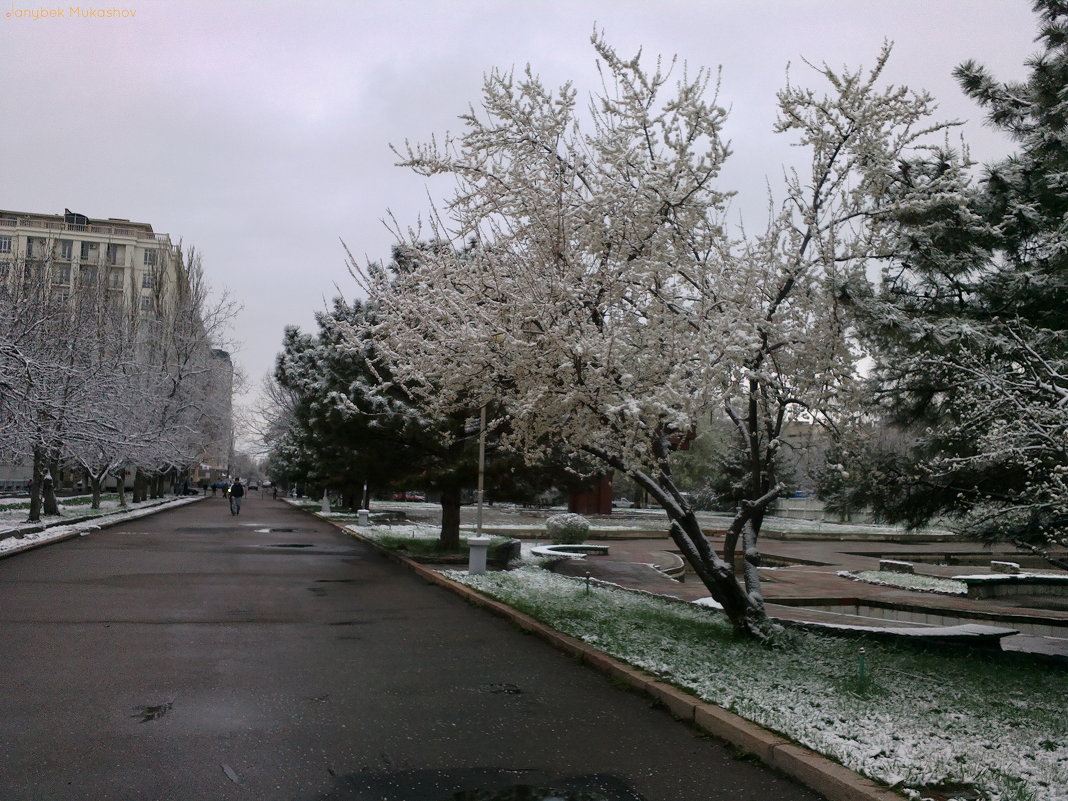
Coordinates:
(600, 302)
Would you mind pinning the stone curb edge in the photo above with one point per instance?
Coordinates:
(813, 770)
(100, 522)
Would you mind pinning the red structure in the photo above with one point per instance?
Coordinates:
(594, 501)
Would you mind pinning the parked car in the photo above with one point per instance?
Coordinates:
(622, 503)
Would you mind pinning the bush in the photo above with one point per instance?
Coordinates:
(567, 529)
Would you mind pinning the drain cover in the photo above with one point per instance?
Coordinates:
(293, 545)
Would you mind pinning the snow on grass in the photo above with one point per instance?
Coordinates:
(914, 719)
(910, 581)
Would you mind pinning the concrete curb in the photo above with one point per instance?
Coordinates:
(99, 522)
(813, 770)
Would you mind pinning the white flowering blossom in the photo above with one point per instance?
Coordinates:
(584, 283)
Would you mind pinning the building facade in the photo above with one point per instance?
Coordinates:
(71, 250)
(135, 268)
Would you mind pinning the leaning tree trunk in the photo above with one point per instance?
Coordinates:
(450, 518)
(745, 610)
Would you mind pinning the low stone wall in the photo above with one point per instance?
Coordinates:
(896, 566)
(1000, 585)
(502, 554)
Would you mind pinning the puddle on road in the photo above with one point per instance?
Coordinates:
(502, 688)
(147, 714)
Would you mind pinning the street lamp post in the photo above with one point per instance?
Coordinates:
(481, 468)
(478, 545)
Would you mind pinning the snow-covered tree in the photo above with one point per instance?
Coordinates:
(92, 383)
(969, 328)
(185, 386)
(591, 292)
(52, 384)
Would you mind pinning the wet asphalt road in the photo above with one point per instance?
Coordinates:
(193, 655)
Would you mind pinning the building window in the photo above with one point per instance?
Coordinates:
(150, 256)
(88, 251)
(146, 303)
(116, 254)
(61, 274)
(115, 277)
(88, 274)
(66, 249)
(148, 281)
(5, 244)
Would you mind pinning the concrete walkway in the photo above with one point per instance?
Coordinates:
(196, 655)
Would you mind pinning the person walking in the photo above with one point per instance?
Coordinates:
(237, 492)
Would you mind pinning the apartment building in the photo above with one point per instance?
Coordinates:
(134, 265)
(76, 250)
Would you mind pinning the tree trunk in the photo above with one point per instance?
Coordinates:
(450, 518)
(120, 486)
(35, 486)
(745, 609)
(139, 485)
(95, 483)
(48, 494)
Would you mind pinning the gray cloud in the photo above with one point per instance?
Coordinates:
(259, 131)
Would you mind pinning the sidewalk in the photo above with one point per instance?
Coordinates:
(18, 535)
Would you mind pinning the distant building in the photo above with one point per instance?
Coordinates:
(74, 249)
(215, 460)
(137, 267)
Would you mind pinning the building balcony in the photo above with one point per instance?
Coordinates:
(100, 229)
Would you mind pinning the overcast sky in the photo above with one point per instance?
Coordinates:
(259, 131)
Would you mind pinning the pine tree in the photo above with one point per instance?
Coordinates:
(969, 328)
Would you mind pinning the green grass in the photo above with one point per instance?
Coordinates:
(75, 500)
(912, 717)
